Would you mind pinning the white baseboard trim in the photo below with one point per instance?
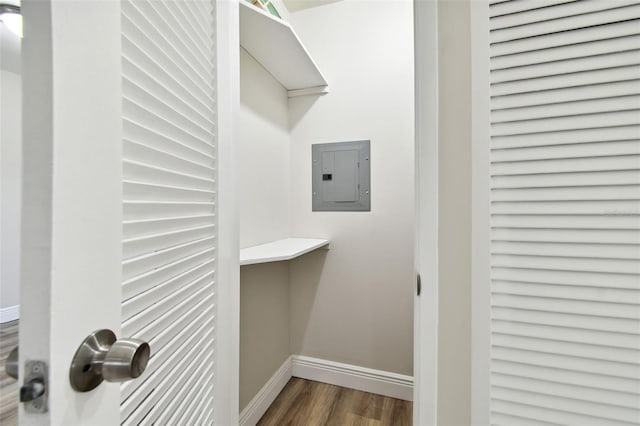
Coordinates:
(10, 313)
(265, 396)
(334, 373)
(352, 376)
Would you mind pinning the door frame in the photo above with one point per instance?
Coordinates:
(425, 388)
(480, 213)
(227, 410)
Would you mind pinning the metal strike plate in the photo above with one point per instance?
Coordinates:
(36, 378)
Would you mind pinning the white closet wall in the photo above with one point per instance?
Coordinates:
(263, 147)
(565, 212)
(354, 302)
(169, 186)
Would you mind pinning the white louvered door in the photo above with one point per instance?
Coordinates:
(169, 223)
(128, 210)
(564, 212)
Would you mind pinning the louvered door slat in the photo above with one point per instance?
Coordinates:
(598, 236)
(162, 45)
(594, 250)
(166, 21)
(515, 29)
(599, 49)
(173, 382)
(152, 174)
(191, 346)
(147, 210)
(177, 334)
(180, 389)
(141, 228)
(552, 152)
(153, 139)
(140, 153)
(576, 108)
(565, 212)
(570, 66)
(176, 406)
(578, 36)
(169, 207)
(571, 94)
(509, 15)
(152, 261)
(155, 104)
(165, 88)
(551, 180)
(565, 277)
(620, 220)
(169, 309)
(505, 7)
(590, 408)
(551, 346)
(560, 417)
(587, 293)
(141, 283)
(173, 127)
(197, 410)
(560, 81)
(151, 243)
(591, 329)
(160, 292)
(603, 162)
(571, 378)
(621, 399)
(575, 136)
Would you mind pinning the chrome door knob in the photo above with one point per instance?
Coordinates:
(102, 357)
(125, 360)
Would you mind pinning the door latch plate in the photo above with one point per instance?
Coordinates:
(36, 372)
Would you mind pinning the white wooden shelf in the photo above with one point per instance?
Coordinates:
(276, 251)
(273, 43)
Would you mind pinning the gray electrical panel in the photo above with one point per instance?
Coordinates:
(341, 176)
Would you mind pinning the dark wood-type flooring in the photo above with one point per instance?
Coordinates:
(8, 386)
(307, 403)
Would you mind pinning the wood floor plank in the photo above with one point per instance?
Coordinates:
(344, 404)
(355, 420)
(397, 412)
(322, 399)
(308, 403)
(8, 386)
(370, 406)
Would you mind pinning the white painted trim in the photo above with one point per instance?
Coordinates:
(279, 250)
(425, 364)
(334, 373)
(10, 313)
(260, 403)
(353, 377)
(310, 91)
(290, 63)
(227, 378)
(480, 216)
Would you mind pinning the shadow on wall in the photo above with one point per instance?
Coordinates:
(299, 106)
(266, 97)
(303, 293)
(264, 324)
